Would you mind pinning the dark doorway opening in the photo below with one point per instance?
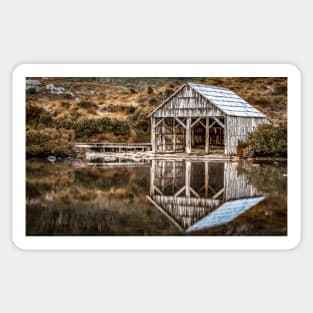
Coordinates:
(216, 137)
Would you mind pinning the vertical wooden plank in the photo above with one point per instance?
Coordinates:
(206, 179)
(163, 136)
(207, 135)
(174, 135)
(153, 134)
(163, 170)
(173, 176)
(187, 177)
(188, 135)
(192, 137)
(152, 177)
(225, 135)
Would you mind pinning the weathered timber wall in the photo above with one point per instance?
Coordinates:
(238, 128)
(169, 136)
(186, 211)
(187, 103)
(236, 185)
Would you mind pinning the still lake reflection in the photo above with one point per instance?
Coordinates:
(162, 197)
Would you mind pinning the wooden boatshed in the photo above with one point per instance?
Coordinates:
(201, 117)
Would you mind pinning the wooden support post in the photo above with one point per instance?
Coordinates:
(187, 177)
(207, 135)
(192, 137)
(174, 135)
(152, 177)
(225, 136)
(153, 134)
(206, 179)
(188, 135)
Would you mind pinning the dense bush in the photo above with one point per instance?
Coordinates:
(64, 122)
(150, 90)
(153, 101)
(266, 140)
(102, 95)
(140, 123)
(33, 113)
(84, 104)
(280, 89)
(65, 104)
(48, 141)
(113, 108)
(46, 119)
(120, 108)
(168, 92)
(31, 91)
(86, 127)
(262, 101)
(130, 109)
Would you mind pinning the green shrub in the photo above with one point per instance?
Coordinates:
(64, 122)
(262, 101)
(280, 89)
(102, 95)
(46, 119)
(120, 128)
(35, 137)
(48, 141)
(113, 108)
(87, 126)
(31, 91)
(121, 108)
(65, 105)
(74, 113)
(33, 113)
(84, 104)
(168, 92)
(266, 140)
(130, 109)
(153, 101)
(140, 123)
(150, 90)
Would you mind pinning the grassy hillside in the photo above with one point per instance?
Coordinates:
(116, 109)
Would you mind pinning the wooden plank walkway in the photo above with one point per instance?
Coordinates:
(122, 164)
(115, 147)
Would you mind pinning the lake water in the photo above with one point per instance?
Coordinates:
(159, 197)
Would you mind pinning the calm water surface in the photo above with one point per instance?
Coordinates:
(161, 197)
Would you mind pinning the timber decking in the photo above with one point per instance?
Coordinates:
(115, 147)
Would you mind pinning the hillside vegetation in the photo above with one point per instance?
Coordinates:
(116, 109)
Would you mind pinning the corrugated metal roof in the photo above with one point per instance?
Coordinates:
(227, 101)
(225, 213)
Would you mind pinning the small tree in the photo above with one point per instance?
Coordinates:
(150, 90)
